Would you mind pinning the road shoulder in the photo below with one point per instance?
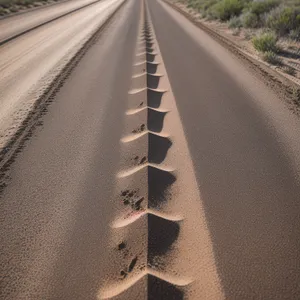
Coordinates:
(285, 88)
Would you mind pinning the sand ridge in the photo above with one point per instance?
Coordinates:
(160, 243)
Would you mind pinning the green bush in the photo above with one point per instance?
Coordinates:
(192, 4)
(204, 5)
(226, 9)
(271, 58)
(250, 20)
(235, 22)
(2, 11)
(208, 4)
(265, 42)
(283, 19)
(261, 7)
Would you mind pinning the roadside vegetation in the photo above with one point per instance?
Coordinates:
(280, 16)
(265, 42)
(267, 24)
(12, 6)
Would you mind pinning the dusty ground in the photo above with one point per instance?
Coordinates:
(30, 64)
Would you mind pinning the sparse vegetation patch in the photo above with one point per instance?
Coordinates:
(272, 58)
(265, 42)
(269, 29)
(280, 16)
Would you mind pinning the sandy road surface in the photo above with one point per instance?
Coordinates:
(15, 25)
(245, 147)
(60, 217)
(163, 169)
(29, 63)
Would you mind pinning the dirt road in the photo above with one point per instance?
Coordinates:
(32, 61)
(160, 167)
(15, 26)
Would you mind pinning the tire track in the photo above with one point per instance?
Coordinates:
(24, 132)
(149, 257)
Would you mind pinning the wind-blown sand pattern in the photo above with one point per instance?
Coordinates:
(160, 247)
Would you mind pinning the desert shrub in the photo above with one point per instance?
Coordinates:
(296, 95)
(193, 4)
(235, 22)
(2, 11)
(203, 15)
(25, 2)
(289, 70)
(226, 9)
(236, 31)
(283, 19)
(5, 4)
(248, 35)
(295, 34)
(261, 7)
(190, 5)
(281, 16)
(265, 42)
(13, 9)
(210, 16)
(271, 58)
(249, 20)
(10, 3)
(205, 5)
(208, 4)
